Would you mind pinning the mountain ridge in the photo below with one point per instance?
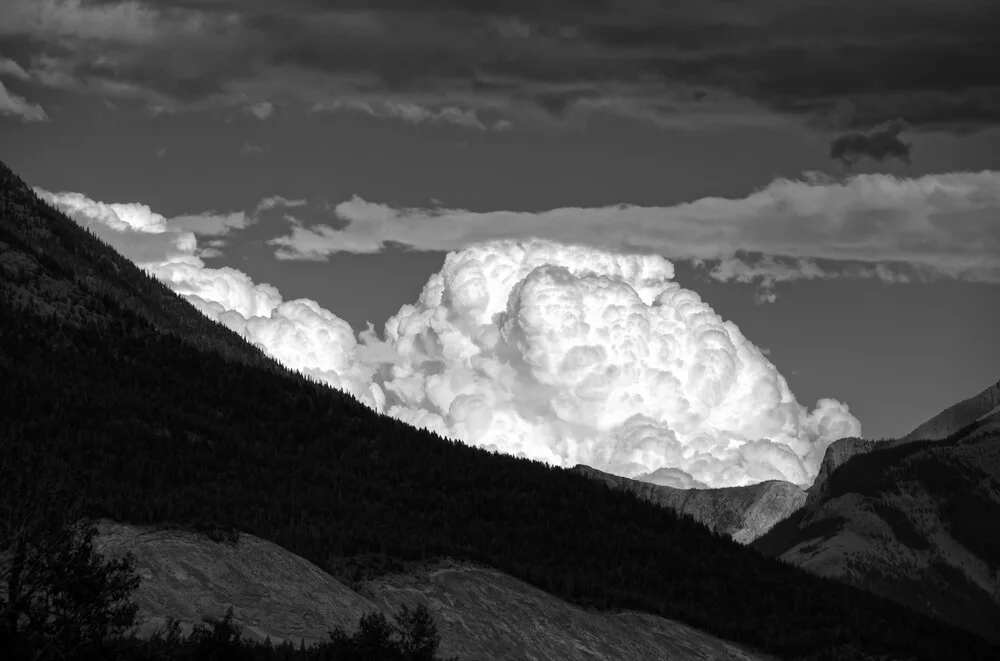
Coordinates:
(912, 521)
(967, 412)
(175, 420)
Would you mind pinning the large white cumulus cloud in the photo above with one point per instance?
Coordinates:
(574, 355)
(561, 353)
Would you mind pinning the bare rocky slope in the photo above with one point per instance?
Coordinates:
(742, 513)
(959, 416)
(481, 613)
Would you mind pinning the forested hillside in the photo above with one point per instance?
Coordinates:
(105, 372)
(916, 521)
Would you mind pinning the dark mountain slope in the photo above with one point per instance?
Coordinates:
(918, 522)
(61, 269)
(162, 430)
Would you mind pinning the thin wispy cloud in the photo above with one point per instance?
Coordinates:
(250, 149)
(938, 226)
(13, 69)
(276, 201)
(17, 106)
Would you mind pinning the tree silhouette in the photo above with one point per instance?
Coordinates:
(410, 636)
(58, 596)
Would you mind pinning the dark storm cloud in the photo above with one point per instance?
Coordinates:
(879, 144)
(835, 64)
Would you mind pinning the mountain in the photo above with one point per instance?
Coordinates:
(168, 418)
(741, 513)
(917, 521)
(910, 519)
(483, 613)
(977, 409)
(59, 269)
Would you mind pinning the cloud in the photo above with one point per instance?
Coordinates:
(879, 144)
(767, 271)
(879, 226)
(565, 354)
(680, 64)
(18, 106)
(250, 149)
(413, 113)
(211, 223)
(275, 201)
(145, 236)
(261, 110)
(569, 354)
(299, 333)
(13, 69)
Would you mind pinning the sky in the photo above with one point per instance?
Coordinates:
(824, 176)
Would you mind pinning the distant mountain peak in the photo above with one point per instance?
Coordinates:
(955, 418)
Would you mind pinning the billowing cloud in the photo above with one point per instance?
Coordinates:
(134, 230)
(145, 236)
(569, 354)
(561, 353)
(685, 63)
(936, 226)
(879, 144)
(17, 106)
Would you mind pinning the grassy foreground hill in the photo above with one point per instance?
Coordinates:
(169, 417)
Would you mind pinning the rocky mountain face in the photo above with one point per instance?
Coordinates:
(915, 521)
(742, 513)
(481, 613)
(911, 519)
(837, 454)
(957, 417)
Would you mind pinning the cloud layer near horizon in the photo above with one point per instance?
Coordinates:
(566, 354)
(935, 226)
(836, 64)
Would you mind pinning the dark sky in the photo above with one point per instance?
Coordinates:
(195, 105)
